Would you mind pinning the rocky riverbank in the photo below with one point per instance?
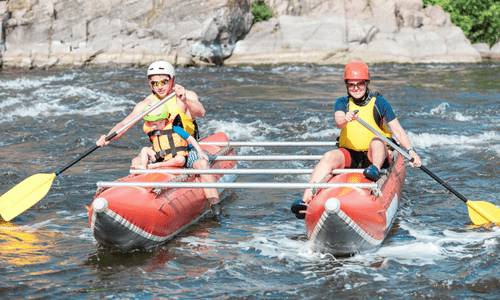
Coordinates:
(78, 33)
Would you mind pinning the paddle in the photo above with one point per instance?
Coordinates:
(34, 188)
(480, 212)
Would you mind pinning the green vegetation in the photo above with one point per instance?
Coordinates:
(260, 11)
(479, 19)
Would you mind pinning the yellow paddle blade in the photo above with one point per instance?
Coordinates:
(482, 212)
(24, 195)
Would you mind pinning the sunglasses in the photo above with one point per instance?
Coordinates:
(359, 85)
(158, 83)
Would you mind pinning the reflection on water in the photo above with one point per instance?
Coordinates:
(105, 259)
(22, 245)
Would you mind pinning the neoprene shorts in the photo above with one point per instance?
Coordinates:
(359, 159)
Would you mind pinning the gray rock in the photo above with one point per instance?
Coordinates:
(359, 31)
(262, 38)
(376, 31)
(388, 46)
(482, 48)
(75, 33)
(80, 32)
(3, 8)
(458, 47)
(410, 18)
(495, 51)
(436, 16)
(301, 33)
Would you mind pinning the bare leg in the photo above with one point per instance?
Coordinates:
(146, 154)
(377, 152)
(142, 161)
(211, 194)
(331, 160)
(136, 162)
(177, 161)
(203, 164)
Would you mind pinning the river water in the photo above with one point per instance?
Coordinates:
(259, 250)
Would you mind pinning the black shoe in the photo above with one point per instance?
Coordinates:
(216, 211)
(298, 206)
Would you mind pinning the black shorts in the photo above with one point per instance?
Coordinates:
(359, 159)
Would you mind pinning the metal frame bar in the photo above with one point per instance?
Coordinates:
(242, 171)
(266, 157)
(236, 185)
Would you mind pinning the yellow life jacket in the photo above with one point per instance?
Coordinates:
(166, 142)
(354, 135)
(189, 124)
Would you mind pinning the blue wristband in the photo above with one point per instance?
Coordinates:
(410, 150)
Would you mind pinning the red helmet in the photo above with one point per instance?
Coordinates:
(356, 70)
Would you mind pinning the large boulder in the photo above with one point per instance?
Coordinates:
(47, 33)
(330, 31)
(75, 33)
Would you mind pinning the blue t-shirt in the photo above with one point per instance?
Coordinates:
(383, 106)
(182, 133)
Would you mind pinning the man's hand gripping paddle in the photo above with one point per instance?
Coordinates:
(34, 188)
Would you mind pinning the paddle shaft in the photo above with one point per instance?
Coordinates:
(449, 188)
(86, 153)
(114, 134)
(408, 156)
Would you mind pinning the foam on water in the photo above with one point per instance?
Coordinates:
(267, 241)
(321, 135)
(426, 140)
(441, 111)
(53, 103)
(23, 82)
(288, 69)
(430, 247)
(258, 130)
(495, 148)
(9, 101)
(306, 69)
(459, 117)
(239, 131)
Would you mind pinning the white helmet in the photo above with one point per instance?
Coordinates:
(161, 68)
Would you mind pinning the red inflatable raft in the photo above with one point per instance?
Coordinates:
(344, 221)
(128, 217)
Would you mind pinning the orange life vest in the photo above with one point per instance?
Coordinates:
(189, 124)
(166, 142)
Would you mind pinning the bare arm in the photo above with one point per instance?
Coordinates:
(402, 137)
(195, 144)
(342, 118)
(138, 109)
(188, 102)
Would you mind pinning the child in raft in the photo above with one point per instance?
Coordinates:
(170, 144)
